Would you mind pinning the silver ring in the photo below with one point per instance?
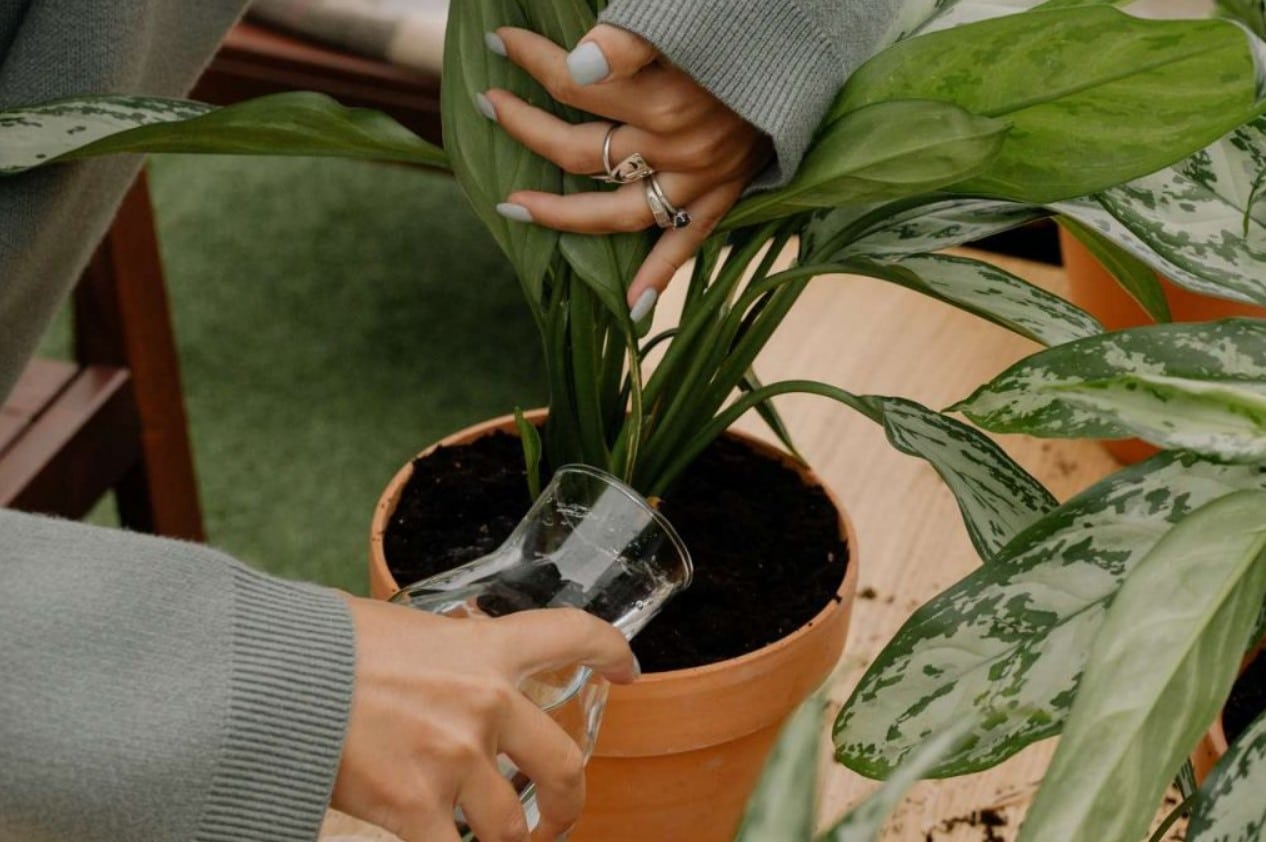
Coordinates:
(666, 214)
(631, 169)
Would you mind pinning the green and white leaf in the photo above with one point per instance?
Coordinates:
(882, 152)
(1252, 13)
(986, 291)
(1231, 807)
(1007, 644)
(998, 499)
(783, 808)
(1199, 387)
(865, 822)
(1134, 276)
(1090, 66)
(890, 231)
(1201, 222)
(1157, 675)
(918, 17)
(282, 124)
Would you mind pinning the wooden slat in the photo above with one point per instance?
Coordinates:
(40, 383)
(77, 449)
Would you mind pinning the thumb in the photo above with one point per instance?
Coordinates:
(608, 53)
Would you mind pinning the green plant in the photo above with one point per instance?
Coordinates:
(907, 163)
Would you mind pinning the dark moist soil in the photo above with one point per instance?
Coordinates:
(1248, 699)
(766, 547)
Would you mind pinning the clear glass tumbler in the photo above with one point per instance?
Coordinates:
(590, 542)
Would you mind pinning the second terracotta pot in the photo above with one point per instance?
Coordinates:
(680, 752)
(1092, 288)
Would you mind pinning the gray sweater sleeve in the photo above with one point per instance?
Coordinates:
(157, 690)
(778, 63)
(148, 689)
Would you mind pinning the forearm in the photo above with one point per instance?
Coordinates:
(151, 689)
(778, 64)
(51, 220)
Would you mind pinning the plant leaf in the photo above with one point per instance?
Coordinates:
(488, 163)
(1092, 67)
(1134, 276)
(530, 439)
(918, 17)
(297, 123)
(1199, 222)
(1231, 808)
(865, 821)
(997, 498)
(1007, 644)
(783, 808)
(1199, 387)
(770, 414)
(885, 151)
(894, 230)
(1159, 670)
(986, 291)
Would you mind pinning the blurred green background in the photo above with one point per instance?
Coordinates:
(333, 318)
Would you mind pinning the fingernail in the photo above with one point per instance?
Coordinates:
(587, 64)
(493, 41)
(516, 212)
(644, 304)
(486, 107)
(637, 668)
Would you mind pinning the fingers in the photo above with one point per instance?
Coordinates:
(601, 212)
(608, 54)
(492, 806)
(547, 755)
(551, 638)
(677, 246)
(432, 825)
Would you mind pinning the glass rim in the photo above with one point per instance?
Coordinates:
(660, 520)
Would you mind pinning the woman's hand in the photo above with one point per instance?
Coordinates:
(704, 153)
(436, 700)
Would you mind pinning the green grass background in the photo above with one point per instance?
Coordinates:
(333, 318)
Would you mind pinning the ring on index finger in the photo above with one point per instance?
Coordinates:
(631, 169)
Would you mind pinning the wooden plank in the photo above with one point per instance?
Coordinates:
(40, 383)
(871, 337)
(77, 449)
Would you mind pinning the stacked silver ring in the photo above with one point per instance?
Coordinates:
(634, 168)
(666, 214)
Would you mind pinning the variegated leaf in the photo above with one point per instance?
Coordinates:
(917, 17)
(1201, 222)
(1090, 66)
(1198, 387)
(1008, 643)
(987, 291)
(1231, 807)
(282, 124)
(998, 499)
(865, 821)
(783, 808)
(1158, 672)
(890, 231)
(1135, 277)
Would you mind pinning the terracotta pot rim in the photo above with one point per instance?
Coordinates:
(838, 601)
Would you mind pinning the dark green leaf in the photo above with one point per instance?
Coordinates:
(1134, 276)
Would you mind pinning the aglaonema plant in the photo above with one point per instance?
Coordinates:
(1144, 138)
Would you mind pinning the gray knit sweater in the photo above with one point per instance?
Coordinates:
(154, 690)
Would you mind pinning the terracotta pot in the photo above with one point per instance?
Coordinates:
(1214, 744)
(680, 752)
(1094, 290)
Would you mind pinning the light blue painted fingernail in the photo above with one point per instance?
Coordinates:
(587, 64)
(644, 304)
(518, 213)
(493, 42)
(486, 107)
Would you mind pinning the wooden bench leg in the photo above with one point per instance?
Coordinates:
(122, 318)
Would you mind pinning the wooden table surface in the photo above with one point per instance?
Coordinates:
(875, 338)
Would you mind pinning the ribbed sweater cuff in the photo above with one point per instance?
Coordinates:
(771, 62)
(291, 683)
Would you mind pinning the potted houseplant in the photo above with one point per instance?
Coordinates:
(906, 164)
